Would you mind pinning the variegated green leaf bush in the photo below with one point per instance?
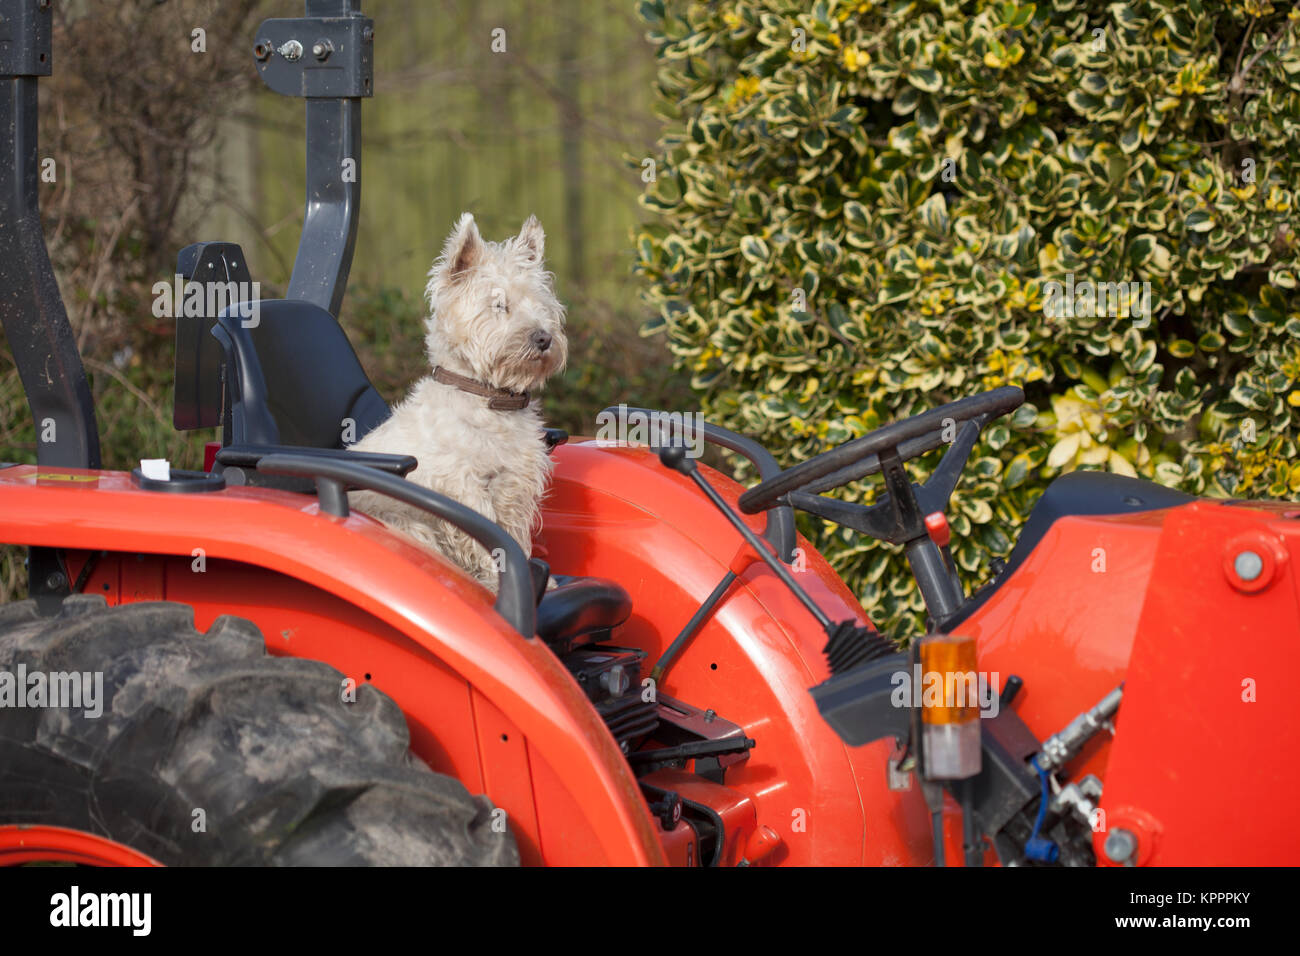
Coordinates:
(867, 209)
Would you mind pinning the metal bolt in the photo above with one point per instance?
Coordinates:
(1248, 565)
(368, 34)
(55, 581)
(1120, 846)
(709, 715)
(615, 680)
(262, 49)
(291, 50)
(321, 49)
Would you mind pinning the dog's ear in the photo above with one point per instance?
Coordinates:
(464, 248)
(532, 240)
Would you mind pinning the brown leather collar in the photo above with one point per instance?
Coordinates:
(499, 399)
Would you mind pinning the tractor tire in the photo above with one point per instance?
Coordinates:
(208, 751)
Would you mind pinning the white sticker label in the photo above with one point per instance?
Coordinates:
(156, 468)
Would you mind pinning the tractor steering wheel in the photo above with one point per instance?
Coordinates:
(910, 515)
(861, 457)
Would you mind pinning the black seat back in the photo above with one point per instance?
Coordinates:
(293, 378)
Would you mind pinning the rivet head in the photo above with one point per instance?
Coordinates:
(1248, 565)
(1120, 846)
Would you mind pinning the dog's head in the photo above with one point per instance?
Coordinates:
(495, 316)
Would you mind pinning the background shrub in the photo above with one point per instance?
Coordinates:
(919, 171)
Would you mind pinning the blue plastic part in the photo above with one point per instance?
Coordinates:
(1040, 849)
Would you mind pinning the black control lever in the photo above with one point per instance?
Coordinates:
(674, 457)
(664, 804)
(689, 751)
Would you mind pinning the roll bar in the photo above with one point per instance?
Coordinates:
(31, 309)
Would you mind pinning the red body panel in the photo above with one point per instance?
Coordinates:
(618, 513)
(1065, 629)
(1194, 770)
(1149, 599)
(1203, 764)
(349, 592)
(499, 712)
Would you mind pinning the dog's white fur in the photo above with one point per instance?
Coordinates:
(487, 300)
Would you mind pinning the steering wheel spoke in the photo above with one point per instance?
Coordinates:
(876, 520)
(937, 491)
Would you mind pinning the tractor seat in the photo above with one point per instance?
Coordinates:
(294, 379)
(577, 610)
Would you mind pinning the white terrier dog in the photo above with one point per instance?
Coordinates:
(495, 335)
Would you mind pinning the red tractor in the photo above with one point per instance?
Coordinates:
(231, 666)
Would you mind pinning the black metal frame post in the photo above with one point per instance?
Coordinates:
(31, 309)
(327, 58)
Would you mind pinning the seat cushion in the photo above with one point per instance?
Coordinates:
(579, 610)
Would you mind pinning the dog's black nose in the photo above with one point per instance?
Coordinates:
(541, 340)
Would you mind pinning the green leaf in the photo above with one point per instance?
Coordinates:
(814, 141)
(934, 215)
(926, 80)
(927, 116)
(1141, 248)
(1024, 416)
(755, 250)
(1210, 341)
(1022, 17)
(856, 215)
(905, 102)
(1017, 472)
